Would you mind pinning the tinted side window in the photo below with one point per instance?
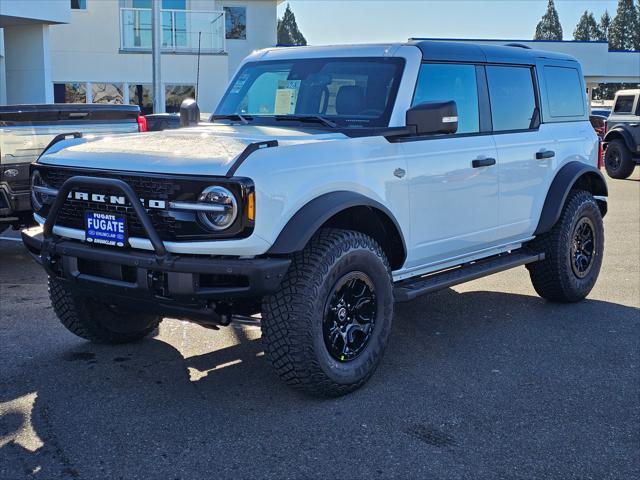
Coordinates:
(624, 104)
(512, 98)
(441, 83)
(564, 91)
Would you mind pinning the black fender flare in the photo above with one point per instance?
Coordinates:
(560, 187)
(621, 132)
(305, 222)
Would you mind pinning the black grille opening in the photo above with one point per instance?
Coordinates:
(112, 271)
(208, 280)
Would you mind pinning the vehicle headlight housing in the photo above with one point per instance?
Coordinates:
(41, 192)
(224, 215)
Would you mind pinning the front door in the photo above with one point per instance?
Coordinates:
(454, 206)
(453, 179)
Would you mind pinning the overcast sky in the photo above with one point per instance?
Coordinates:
(346, 21)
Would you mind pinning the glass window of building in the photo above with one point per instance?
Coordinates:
(107, 93)
(70, 93)
(142, 95)
(175, 94)
(235, 19)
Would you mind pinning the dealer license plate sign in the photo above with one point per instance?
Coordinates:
(105, 229)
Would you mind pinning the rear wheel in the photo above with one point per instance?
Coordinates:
(326, 329)
(617, 160)
(573, 251)
(98, 322)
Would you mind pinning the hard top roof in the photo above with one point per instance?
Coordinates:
(438, 50)
(432, 50)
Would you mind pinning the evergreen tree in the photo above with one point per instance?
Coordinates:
(288, 32)
(604, 25)
(587, 28)
(637, 39)
(624, 28)
(549, 27)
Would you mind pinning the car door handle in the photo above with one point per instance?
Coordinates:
(483, 162)
(545, 154)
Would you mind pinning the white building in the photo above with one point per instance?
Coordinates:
(100, 50)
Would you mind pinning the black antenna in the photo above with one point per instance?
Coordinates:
(198, 69)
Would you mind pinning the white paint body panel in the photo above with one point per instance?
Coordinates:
(449, 213)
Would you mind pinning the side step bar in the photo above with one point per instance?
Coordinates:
(407, 290)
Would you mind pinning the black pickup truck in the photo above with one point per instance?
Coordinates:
(26, 130)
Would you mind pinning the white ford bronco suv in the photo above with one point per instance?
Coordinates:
(330, 183)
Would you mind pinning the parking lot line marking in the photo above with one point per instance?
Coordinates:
(11, 239)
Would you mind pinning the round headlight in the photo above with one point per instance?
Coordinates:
(222, 217)
(40, 191)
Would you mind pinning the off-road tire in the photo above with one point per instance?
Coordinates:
(617, 160)
(554, 278)
(292, 318)
(97, 322)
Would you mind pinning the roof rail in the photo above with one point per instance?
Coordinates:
(518, 45)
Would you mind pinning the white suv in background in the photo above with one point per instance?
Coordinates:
(331, 183)
(622, 138)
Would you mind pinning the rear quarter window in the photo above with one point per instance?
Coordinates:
(564, 92)
(624, 104)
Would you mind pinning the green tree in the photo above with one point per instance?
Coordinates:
(637, 39)
(288, 31)
(604, 25)
(624, 28)
(549, 27)
(587, 28)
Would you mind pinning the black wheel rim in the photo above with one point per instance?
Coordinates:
(349, 316)
(583, 247)
(614, 159)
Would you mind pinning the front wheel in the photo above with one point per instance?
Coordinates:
(325, 330)
(98, 322)
(573, 251)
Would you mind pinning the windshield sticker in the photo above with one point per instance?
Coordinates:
(242, 79)
(286, 97)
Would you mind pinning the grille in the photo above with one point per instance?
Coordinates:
(72, 213)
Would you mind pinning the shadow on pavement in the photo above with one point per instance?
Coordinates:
(480, 383)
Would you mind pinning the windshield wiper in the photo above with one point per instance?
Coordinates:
(244, 119)
(308, 118)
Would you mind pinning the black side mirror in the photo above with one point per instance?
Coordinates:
(189, 113)
(433, 117)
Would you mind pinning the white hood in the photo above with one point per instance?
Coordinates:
(203, 150)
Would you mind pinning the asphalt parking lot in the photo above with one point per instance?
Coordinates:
(485, 380)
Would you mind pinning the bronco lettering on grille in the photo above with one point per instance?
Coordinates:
(113, 199)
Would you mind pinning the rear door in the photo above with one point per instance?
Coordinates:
(526, 149)
(454, 206)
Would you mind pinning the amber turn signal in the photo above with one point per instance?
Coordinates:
(251, 206)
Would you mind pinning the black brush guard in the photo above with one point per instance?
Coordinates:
(189, 286)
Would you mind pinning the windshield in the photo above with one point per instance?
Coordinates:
(348, 92)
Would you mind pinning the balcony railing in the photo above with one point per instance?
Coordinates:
(182, 30)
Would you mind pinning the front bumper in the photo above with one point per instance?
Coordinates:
(15, 201)
(14, 205)
(185, 286)
(193, 287)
